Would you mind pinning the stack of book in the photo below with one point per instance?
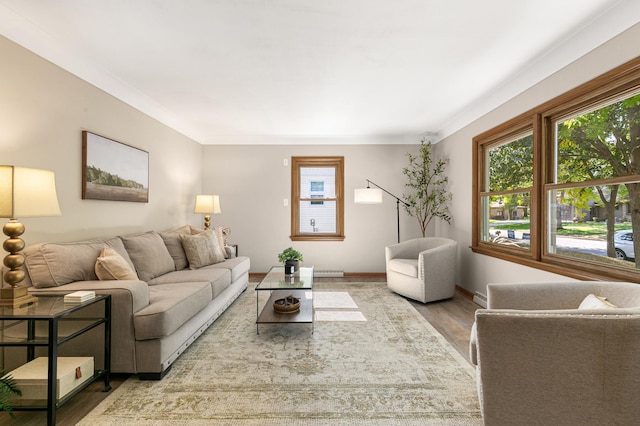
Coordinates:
(79, 296)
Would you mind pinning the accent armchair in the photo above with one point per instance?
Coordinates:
(542, 361)
(422, 269)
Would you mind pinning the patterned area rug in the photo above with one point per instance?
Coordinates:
(393, 369)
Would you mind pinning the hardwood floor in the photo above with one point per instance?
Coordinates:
(452, 318)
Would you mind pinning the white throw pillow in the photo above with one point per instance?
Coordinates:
(596, 302)
(111, 266)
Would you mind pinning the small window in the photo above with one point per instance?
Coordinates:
(317, 206)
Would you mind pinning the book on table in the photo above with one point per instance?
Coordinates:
(79, 296)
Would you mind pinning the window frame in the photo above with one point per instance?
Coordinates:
(622, 80)
(297, 163)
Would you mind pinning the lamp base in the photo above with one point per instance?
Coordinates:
(15, 297)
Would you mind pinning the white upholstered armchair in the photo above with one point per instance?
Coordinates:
(542, 361)
(422, 269)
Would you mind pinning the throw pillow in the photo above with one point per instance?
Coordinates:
(111, 266)
(202, 249)
(149, 255)
(595, 302)
(220, 238)
(174, 245)
(219, 235)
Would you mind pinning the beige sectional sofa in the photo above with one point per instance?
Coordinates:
(172, 286)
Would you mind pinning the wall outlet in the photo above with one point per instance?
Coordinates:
(285, 202)
(285, 162)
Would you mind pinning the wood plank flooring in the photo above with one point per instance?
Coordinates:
(452, 318)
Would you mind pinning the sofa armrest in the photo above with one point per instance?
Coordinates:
(127, 298)
(137, 292)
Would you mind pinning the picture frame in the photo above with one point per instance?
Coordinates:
(113, 171)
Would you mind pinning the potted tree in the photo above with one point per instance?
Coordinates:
(291, 259)
(427, 180)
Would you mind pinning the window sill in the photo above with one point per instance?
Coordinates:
(317, 237)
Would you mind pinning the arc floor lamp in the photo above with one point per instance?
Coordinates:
(370, 195)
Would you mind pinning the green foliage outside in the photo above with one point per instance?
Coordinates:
(592, 230)
(100, 177)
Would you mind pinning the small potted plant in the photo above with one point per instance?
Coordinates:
(291, 259)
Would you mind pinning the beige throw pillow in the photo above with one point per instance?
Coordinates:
(111, 266)
(595, 302)
(202, 249)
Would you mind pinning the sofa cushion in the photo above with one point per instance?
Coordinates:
(218, 231)
(218, 278)
(174, 245)
(202, 249)
(111, 266)
(55, 264)
(237, 265)
(149, 255)
(170, 306)
(404, 266)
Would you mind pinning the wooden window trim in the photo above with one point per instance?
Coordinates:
(296, 164)
(622, 80)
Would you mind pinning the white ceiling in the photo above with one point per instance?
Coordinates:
(273, 71)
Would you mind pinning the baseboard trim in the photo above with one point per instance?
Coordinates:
(466, 293)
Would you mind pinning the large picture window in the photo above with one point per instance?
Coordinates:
(317, 198)
(558, 188)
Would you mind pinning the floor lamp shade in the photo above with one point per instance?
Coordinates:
(367, 196)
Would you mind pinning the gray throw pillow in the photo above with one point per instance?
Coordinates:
(149, 255)
(174, 245)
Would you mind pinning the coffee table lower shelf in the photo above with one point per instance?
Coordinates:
(302, 316)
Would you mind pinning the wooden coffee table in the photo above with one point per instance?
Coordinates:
(278, 285)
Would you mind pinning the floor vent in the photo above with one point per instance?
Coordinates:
(328, 273)
(480, 299)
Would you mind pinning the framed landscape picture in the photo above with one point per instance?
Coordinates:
(113, 171)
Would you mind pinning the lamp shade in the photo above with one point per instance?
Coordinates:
(27, 192)
(206, 204)
(367, 196)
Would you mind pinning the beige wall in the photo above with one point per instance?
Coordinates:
(476, 270)
(43, 111)
(252, 183)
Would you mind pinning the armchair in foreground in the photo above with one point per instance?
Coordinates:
(423, 269)
(544, 358)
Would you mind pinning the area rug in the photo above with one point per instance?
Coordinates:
(393, 369)
(341, 315)
(333, 300)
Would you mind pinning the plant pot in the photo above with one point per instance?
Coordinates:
(291, 267)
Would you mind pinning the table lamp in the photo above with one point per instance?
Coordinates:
(206, 204)
(24, 192)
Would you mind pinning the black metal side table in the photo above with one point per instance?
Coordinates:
(52, 311)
